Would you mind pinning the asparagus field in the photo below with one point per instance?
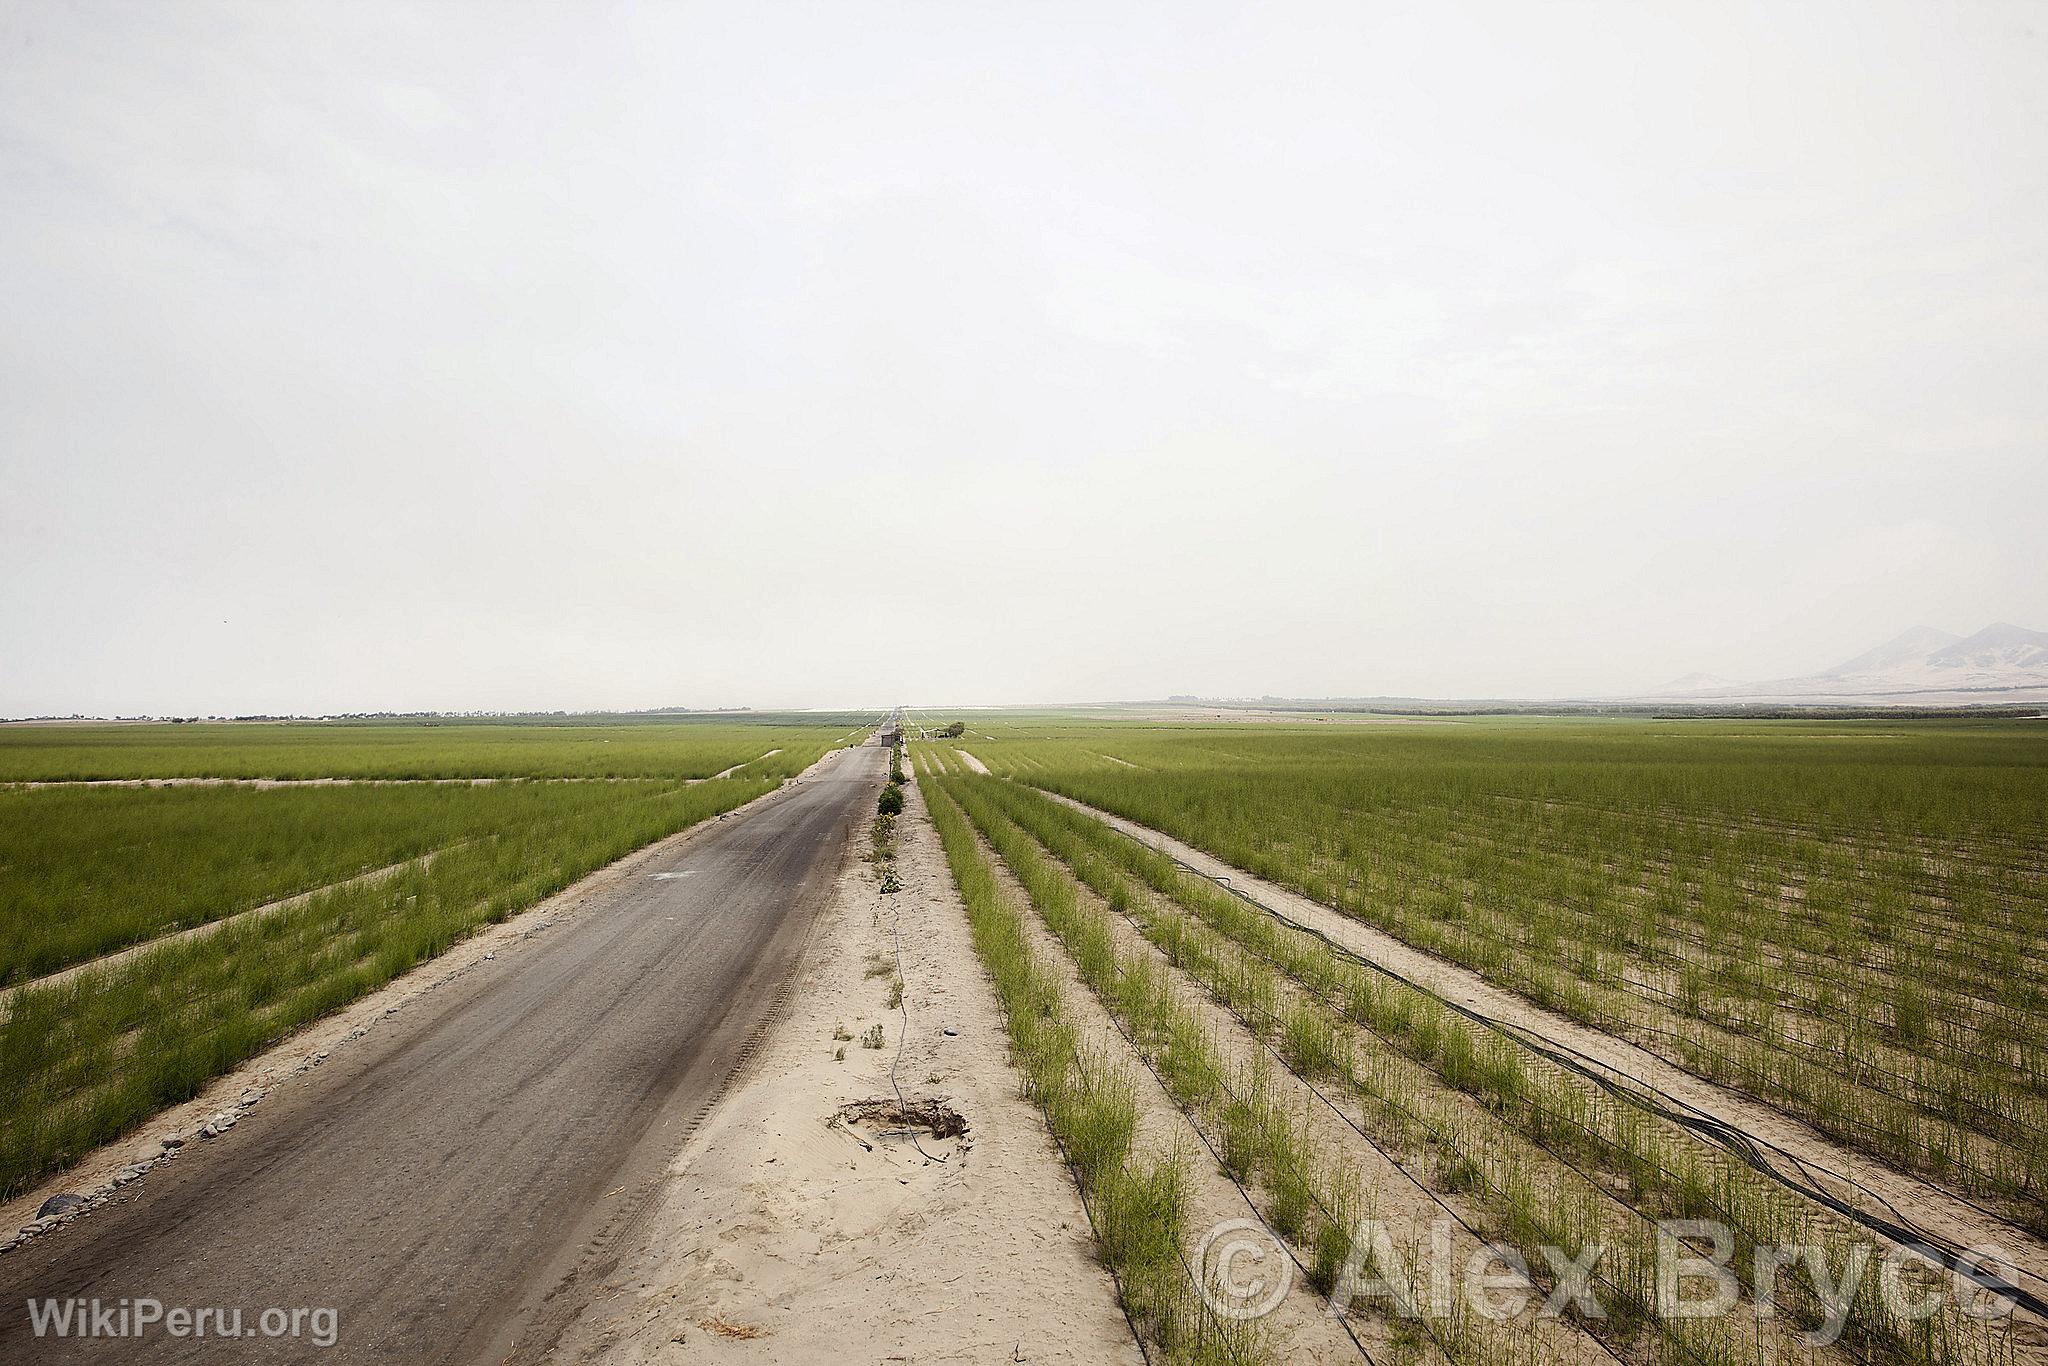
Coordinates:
(152, 937)
(443, 748)
(1839, 923)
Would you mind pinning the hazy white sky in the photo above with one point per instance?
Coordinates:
(361, 356)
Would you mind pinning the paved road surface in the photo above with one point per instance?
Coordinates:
(448, 1183)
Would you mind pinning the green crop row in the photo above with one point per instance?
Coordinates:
(566, 748)
(1847, 920)
(88, 870)
(1137, 1204)
(1548, 1155)
(85, 1060)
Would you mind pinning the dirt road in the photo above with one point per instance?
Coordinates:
(452, 1185)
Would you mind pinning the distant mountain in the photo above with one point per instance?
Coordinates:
(1925, 666)
(2000, 645)
(1909, 648)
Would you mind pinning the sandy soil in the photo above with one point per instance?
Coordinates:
(1393, 1195)
(495, 947)
(795, 1228)
(977, 765)
(1842, 1169)
(1299, 1328)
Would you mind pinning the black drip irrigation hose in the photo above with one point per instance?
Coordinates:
(1420, 1185)
(903, 1006)
(902, 1040)
(1818, 1056)
(1396, 1164)
(1552, 853)
(1394, 1106)
(1343, 1321)
(1897, 1229)
(1095, 1231)
(1146, 1062)
(1805, 1054)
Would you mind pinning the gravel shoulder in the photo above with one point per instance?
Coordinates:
(805, 1223)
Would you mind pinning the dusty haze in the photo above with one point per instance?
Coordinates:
(450, 356)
